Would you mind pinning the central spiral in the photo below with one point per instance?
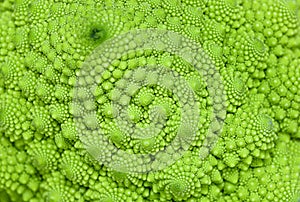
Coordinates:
(140, 101)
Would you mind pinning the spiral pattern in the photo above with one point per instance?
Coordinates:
(143, 114)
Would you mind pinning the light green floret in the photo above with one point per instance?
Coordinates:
(235, 88)
(13, 120)
(148, 145)
(135, 114)
(56, 188)
(139, 74)
(173, 7)
(36, 62)
(41, 120)
(130, 90)
(11, 71)
(107, 190)
(249, 137)
(75, 169)
(52, 74)
(61, 142)
(166, 103)
(179, 182)
(108, 110)
(21, 41)
(44, 155)
(68, 129)
(174, 23)
(28, 84)
(37, 34)
(192, 32)
(264, 127)
(212, 31)
(115, 134)
(196, 83)
(45, 91)
(90, 121)
(18, 177)
(145, 96)
(59, 112)
(277, 180)
(228, 11)
(231, 159)
(62, 93)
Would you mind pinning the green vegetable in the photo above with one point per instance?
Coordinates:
(220, 125)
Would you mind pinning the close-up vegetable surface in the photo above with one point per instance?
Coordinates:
(149, 100)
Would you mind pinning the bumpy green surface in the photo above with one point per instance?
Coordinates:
(255, 45)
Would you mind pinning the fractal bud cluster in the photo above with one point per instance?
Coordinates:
(149, 100)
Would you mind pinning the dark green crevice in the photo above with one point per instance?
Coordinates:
(4, 197)
(98, 34)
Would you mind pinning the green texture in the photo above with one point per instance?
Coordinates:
(255, 46)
